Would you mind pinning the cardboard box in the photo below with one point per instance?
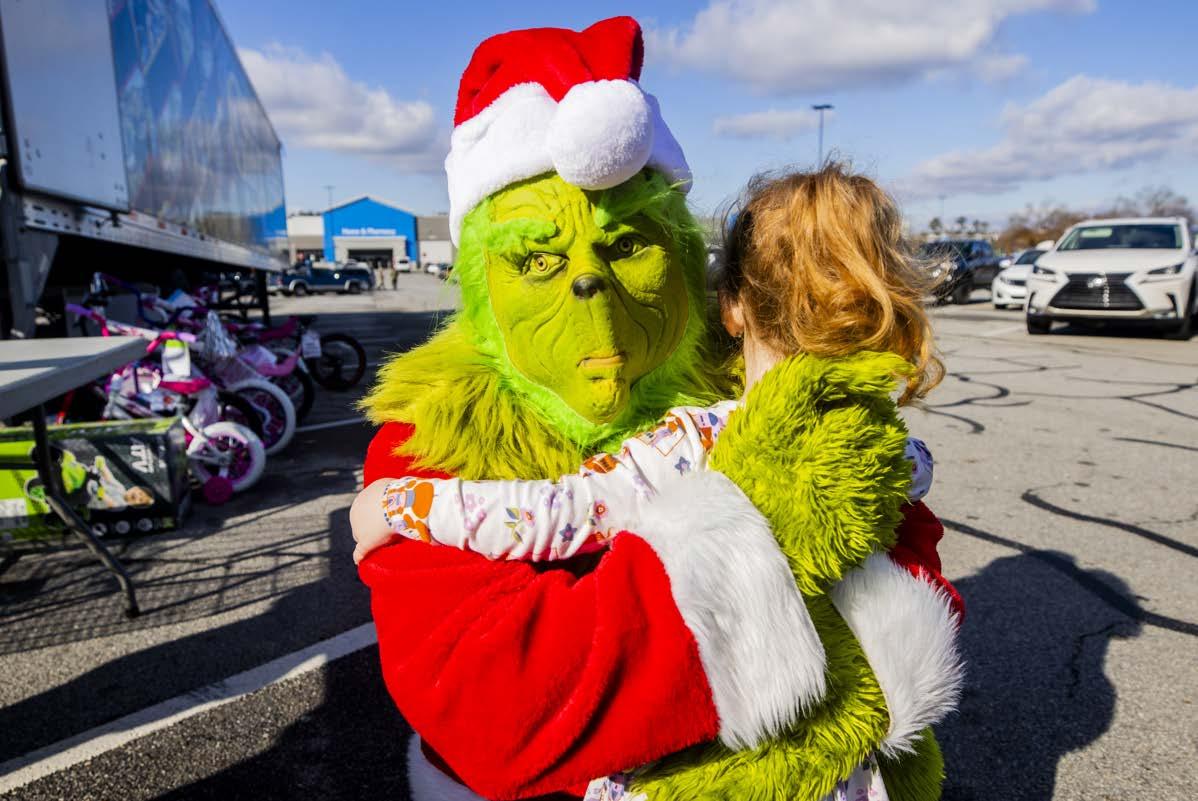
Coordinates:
(121, 476)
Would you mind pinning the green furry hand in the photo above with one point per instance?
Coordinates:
(818, 449)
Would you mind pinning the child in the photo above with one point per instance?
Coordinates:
(807, 291)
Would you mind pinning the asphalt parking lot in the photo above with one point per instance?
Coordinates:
(1066, 476)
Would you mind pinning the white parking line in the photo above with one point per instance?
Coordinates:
(349, 421)
(61, 755)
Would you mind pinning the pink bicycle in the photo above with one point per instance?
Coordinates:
(224, 456)
(272, 412)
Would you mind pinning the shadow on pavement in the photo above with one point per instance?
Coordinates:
(1035, 640)
(350, 747)
(278, 556)
(1113, 329)
(259, 546)
(299, 616)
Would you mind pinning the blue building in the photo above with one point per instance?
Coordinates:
(369, 230)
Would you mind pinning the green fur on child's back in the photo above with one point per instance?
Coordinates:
(818, 449)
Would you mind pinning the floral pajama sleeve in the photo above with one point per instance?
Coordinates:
(580, 512)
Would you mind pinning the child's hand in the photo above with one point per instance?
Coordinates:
(366, 519)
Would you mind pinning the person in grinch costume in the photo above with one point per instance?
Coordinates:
(735, 654)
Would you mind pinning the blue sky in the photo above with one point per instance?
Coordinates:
(977, 106)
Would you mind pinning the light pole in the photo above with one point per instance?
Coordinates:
(821, 108)
(329, 188)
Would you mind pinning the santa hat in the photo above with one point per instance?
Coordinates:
(555, 100)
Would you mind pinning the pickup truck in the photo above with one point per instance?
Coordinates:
(352, 278)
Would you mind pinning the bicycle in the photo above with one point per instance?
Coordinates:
(272, 412)
(225, 456)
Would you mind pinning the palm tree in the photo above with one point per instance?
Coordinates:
(936, 226)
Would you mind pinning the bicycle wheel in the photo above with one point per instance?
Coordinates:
(230, 451)
(341, 363)
(273, 407)
(236, 409)
(300, 387)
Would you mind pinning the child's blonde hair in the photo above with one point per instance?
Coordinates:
(819, 264)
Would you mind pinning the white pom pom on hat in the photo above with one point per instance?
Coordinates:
(555, 100)
(601, 134)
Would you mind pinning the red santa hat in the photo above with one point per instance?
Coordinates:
(555, 100)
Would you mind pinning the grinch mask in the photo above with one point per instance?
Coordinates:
(586, 290)
(583, 317)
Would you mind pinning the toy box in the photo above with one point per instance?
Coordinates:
(121, 476)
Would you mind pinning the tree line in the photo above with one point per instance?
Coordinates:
(1033, 225)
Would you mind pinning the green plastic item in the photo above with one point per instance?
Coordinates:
(121, 476)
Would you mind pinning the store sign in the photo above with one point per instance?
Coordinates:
(368, 231)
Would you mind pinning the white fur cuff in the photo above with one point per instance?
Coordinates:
(761, 653)
(908, 631)
(600, 135)
(427, 783)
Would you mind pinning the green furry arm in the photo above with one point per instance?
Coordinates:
(806, 763)
(819, 751)
(818, 449)
(918, 776)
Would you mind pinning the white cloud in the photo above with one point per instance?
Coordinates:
(772, 124)
(313, 103)
(791, 46)
(1001, 66)
(1083, 125)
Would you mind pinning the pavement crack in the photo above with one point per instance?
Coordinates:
(1083, 578)
(1030, 497)
(1157, 442)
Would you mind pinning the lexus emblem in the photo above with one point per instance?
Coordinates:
(1097, 282)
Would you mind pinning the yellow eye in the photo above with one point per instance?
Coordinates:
(543, 263)
(627, 245)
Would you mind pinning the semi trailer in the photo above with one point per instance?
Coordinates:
(133, 143)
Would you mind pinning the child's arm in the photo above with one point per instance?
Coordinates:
(922, 465)
(539, 520)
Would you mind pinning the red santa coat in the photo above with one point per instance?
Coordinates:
(529, 679)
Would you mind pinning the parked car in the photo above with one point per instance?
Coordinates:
(1132, 269)
(328, 277)
(439, 269)
(960, 266)
(403, 266)
(1010, 285)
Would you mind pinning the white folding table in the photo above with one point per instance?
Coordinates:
(34, 371)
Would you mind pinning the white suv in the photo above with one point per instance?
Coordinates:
(1138, 269)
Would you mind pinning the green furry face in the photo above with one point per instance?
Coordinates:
(471, 382)
(589, 298)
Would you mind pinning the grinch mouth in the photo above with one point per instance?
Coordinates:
(593, 364)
